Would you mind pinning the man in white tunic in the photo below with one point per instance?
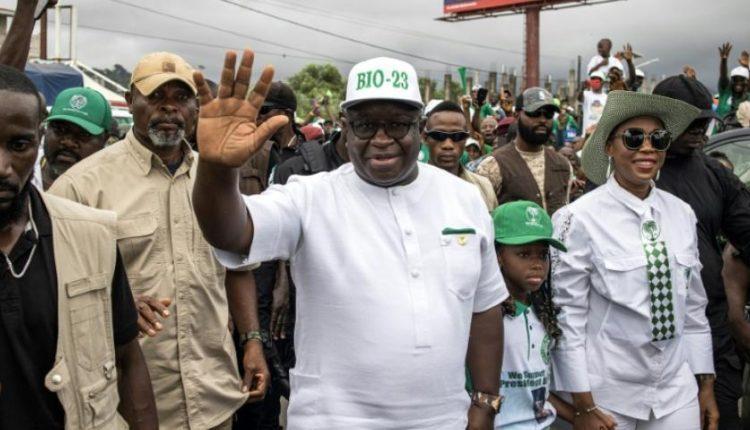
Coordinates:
(397, 280)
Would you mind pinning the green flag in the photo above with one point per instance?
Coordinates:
(462, 74)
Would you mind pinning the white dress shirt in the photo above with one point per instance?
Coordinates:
(602, 289)
(387, 282)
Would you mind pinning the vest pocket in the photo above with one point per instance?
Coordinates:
(100, 401)
(91, 334)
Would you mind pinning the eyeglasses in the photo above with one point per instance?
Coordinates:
(396, 130)
(442, 136)
(633, 139)
(548, 113)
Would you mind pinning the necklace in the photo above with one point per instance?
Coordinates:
(31, 254)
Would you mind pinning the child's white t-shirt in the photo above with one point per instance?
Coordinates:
(525, 377)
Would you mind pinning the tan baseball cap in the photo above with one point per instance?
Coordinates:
(158, 68)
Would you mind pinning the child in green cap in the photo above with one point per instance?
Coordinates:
(523, 235)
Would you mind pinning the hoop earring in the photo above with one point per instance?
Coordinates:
(609, 167)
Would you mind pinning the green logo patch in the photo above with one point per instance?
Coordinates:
(544, 350)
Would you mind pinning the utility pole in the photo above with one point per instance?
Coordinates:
(532, 47)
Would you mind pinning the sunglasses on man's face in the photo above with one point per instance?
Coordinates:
(441, 136)
(396, 130)
(548, 113)
(699, 126)
(633, 139)
(266, 110)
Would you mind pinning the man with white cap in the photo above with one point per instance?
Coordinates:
(594, 98)
(178, 285)
(732, 86)
(397, 282)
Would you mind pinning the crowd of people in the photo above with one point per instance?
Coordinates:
(503, 261)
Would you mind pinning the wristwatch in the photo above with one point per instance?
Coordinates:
(487, 401)
(250, 335)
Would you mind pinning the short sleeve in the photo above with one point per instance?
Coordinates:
(491, 170)
(277, 216)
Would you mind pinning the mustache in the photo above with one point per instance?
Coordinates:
(9, 186)
(67, 152)
(175, 121)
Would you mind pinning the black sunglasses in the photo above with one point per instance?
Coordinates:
(548, 113)
(441, 136)
(633, 139)
(265, 110)
(699, 126)
(367, 129)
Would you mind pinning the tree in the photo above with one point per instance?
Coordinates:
(316, 81)
(118, 74)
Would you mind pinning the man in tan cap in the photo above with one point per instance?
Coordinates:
(147, 179)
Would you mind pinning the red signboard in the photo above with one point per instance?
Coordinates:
(468, 6)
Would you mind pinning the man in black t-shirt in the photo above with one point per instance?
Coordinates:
(30, 335)
(722, 205)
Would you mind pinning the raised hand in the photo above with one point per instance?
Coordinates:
(227, 131)
(724, 50)
(627, 52)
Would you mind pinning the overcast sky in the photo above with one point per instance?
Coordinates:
(678, 32)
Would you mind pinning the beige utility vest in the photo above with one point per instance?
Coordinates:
(84, 375)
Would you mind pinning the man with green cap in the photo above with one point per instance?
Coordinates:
(397, 279)
(77, 127)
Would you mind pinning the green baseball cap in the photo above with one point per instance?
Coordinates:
(523, 222)
(84, 107)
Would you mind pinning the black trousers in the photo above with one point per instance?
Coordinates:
(728, 390)
(264, 415)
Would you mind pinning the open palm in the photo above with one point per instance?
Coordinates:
(227, 129)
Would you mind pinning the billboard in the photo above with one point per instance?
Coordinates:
(469, 6)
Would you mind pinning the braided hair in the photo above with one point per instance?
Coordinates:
(545, 309)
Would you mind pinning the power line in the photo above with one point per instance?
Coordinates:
(216, 46)
(346, 38)
(234, 33)
(349, 18)
(223, 30)
(378, 25)
(195, 43)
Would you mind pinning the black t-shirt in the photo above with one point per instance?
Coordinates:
(28, 327)
(722, 205)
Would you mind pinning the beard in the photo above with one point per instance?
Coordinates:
(15, 210)
(529, 135)
(165, 138)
